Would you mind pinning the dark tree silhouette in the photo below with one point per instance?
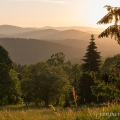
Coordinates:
(91, 63)
(92, 57)
(9, 83)
(113, 15)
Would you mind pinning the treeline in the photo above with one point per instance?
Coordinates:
(59, 82)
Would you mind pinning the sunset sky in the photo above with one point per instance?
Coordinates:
(40, 13)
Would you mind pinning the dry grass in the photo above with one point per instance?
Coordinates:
(109, 112)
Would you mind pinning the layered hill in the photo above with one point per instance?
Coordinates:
(10, 29)
(28, 51)
(107, 46)
(47, 32)
(45, 41)
(52, 34)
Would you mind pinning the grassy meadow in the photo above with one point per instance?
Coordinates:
(21, 112)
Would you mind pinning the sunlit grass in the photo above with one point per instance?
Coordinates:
(20, 112)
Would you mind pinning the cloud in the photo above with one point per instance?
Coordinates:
(47, 1)
(55, 1)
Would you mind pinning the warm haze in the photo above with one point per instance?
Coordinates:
(40, 13)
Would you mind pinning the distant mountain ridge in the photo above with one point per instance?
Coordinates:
(13, 30)
(46, 41)
(45, 33)
(10, 29)
(80, 28)
(37, 34)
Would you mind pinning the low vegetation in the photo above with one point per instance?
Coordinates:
(86, 112)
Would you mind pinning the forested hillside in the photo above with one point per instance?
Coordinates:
(57, 80)
(27, 51)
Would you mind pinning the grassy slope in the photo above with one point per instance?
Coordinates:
(110, 112)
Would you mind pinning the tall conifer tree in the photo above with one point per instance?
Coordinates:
(92, 57)
(91, 63)
(113, 15)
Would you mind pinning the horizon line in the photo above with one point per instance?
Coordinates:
(50, 26)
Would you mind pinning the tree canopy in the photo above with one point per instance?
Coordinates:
(9, 83)
(46, 82)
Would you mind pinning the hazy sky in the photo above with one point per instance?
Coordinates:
(40, 13)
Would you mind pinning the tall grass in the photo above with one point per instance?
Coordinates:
(107, 112)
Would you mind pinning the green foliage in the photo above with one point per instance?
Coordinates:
(113, 30)
(91, 63)
(108, 84)
(18, 68)
(53, 81)
(109, 63)
(113, 13)
(105, 89)
(91, 58)
(85, 93)
(9, 83)
(5, 63)
(76, 72)
(56, 59)
(14, 93)
(50, 82)
(67, 102)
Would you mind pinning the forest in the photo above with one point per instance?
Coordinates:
(60, 83)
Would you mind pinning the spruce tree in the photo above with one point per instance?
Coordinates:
(113, 15)
(92, 57)
(91, 63)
